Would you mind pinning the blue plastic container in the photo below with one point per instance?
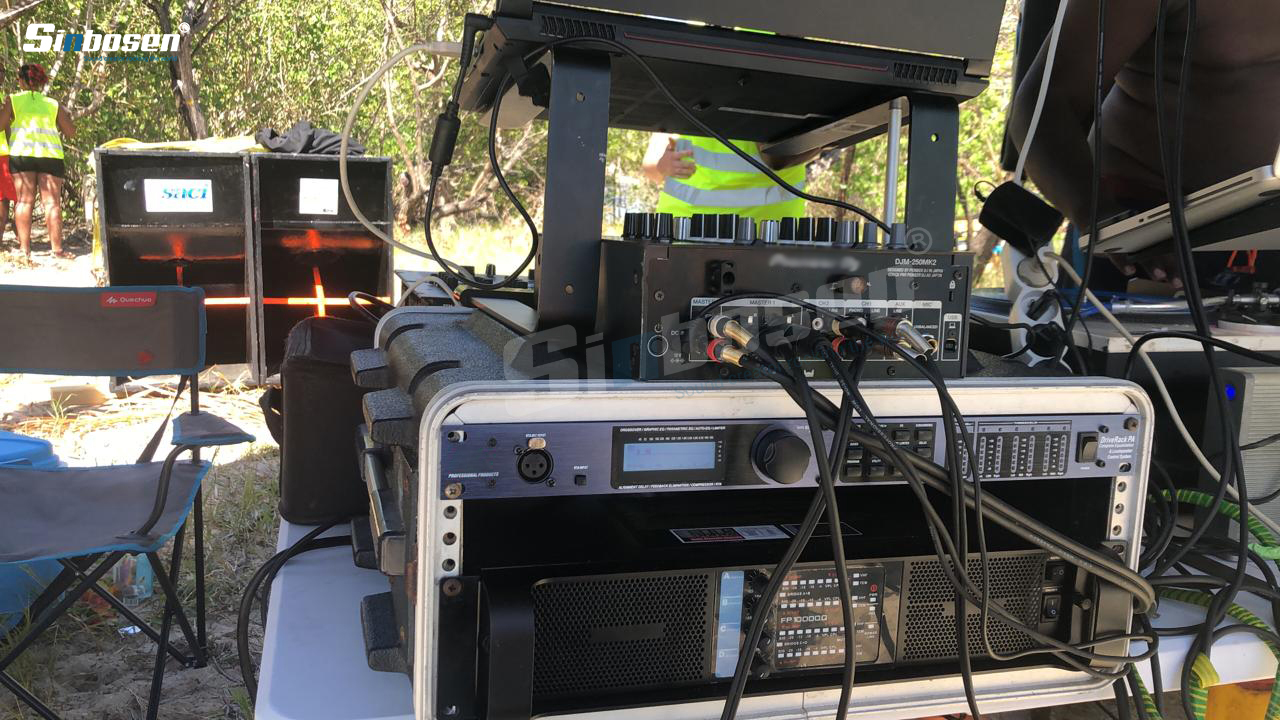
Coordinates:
(19, 584)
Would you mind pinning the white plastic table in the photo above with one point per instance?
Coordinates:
(313, 661)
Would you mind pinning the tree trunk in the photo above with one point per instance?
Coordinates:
(185, 90)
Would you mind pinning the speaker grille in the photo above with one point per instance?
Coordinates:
(1016, 583)
(925, 73)
(619, 633)
(559, 27)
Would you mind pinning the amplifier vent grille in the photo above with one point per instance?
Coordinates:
(559, 27)
(619, 633)
(930, 612)
(925, 73)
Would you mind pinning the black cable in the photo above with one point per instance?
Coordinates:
(1095, 180)
(1171, 156)
(1263, 633)
(816, 508)
(448, 121)
(954, 568)
(1201, 338)
(1122, 700)
(1092, 561)
(266, 574)
(1157, 679)
(827, 480)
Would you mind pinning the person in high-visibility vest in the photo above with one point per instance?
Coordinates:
(35, 124)
(701, 175)
(8, 193)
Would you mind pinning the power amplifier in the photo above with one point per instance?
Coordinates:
(596, 549)
(652, 292)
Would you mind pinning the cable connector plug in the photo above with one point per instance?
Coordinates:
(723, 326)
(902, 329)
(722, 351)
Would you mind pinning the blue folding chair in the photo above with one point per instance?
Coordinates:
(87, 519)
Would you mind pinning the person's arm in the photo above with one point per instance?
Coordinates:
(6, 116)
(1061, 158)
(662, 160)
(65, 125)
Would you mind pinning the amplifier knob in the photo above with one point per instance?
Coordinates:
(746, 234)
(781, 456)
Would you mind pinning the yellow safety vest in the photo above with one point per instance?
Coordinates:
(35, 126)
(725, 183)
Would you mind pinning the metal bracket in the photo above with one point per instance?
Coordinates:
(577, 138)
(933, 146)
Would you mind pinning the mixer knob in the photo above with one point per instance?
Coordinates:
(870, 236)
(804, 229)
(769, 231)
(681, 228)
(824, 230)
(698, 226)
(746, 234)
(629, 225)
(781, 455)
(663, 230)
(728, 225)
(847, 233)
(787, 230)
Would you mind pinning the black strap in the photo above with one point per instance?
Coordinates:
(149, 451)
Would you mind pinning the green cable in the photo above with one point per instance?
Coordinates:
(1149, 704)
(1202, 672)
(1231, 510)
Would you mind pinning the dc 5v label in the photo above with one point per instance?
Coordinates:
(170, 195)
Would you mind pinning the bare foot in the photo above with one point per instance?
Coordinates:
(64, 254)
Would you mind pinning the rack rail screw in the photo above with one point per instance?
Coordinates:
(452, 587)
(453, 491)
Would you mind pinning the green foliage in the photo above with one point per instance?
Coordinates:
(273, 62)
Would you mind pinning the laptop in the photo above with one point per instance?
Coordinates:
(1132, 233)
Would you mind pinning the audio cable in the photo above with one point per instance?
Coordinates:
(448, 125)
(1097, 563)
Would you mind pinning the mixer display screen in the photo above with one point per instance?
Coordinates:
(666, 456)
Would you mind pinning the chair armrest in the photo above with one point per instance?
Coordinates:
(204, 429)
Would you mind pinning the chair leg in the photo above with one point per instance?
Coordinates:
(51, 614)
(27, 698)
(55, 589)
(172, 608)
(128, 614)
(202, 635)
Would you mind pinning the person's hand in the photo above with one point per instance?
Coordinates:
(676, 163)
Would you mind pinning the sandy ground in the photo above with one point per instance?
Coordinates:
(84, 667)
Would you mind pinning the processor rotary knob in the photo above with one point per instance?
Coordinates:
(781, 455)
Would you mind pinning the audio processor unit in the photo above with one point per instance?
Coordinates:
(597, 549)
(657, 280)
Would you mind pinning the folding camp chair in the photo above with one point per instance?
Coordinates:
(90, 518)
